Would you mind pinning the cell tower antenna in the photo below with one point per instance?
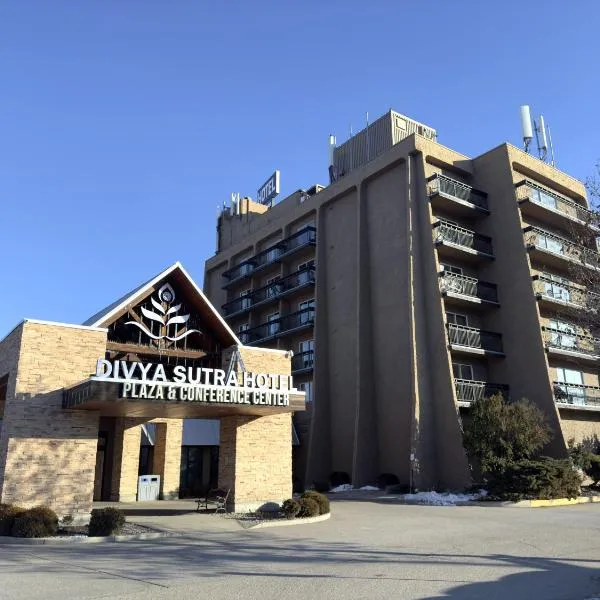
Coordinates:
(551, 147)
(526, 126)
(540, 137)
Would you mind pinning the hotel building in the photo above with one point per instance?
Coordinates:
(419, 280)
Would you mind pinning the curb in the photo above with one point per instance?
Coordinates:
(288, 522)
(57, 541)
(519, 504)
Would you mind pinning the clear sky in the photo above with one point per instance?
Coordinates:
(124, 123)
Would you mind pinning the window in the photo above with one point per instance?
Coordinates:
(569, 386)
(273, 322)
(306, 353)
(543, 198)
(244, 337)
(274, 288)
(461, 371)
(307, 387)
(306, 346)
(273, 254)
(246, 302)
(456, 319)
(452, 269)
(551, 243)
(308, 311)
(306, 265)
(556, 288)
(563, 334)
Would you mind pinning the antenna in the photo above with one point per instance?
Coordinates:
(540, 137)
(551, 147)
(526, 126)
(332, 171)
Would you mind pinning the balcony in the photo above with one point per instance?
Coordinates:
(468, 391)
(556, 293)
(472, 340)
(271, 292)
(281, 327)
(457, 242)
(568, 344)
(303, 362)
(583, 397)
(468, 290)
(557, 251)
(305, 238)
(456, 197)
(552, 208)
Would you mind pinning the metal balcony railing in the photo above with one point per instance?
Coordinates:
(273, 290)
(576, 395)
(468, 390)
(528, 190)
(449, 232)
(536, 237)
(278, 327)
(307, 236)
(450, 188)
(552, 289)
(468, 286)
(573, 342)
(303, 361)
(472, 337)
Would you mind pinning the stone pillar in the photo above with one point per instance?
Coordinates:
(255, 460)
(126, 459)
(167, 456)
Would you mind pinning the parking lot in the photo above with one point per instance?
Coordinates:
(368, 549)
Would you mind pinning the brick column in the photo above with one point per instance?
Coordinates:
(255, 460)
(126, 459)
(167, 456)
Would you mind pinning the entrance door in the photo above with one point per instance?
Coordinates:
(100, 465)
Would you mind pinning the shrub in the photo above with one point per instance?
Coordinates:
(8, 513)
(321, 499)
(308, 507)
(546, 478)
(39, 521)
(321, 486)
(339, 478)
(106, 521)
(387, 479)
(500, 433)
(593, 468)
(291, 508)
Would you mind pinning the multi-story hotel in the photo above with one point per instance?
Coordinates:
(418, 280)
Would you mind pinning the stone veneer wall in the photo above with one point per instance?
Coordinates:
(47, 454)
(255, 456)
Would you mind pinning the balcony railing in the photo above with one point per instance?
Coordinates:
(571, 342)
(450, 188)
(472, 337)
(281, 326)
(468, 390)
(305, 237)
(272, 291)
(468, 286)
(536, 237)
(527, 190)
(449, 232)
(576, 395)
(303, 361)
(559, 291)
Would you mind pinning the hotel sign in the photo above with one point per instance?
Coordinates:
(269, 189)
(149, 381)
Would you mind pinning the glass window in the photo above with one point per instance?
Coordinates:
(307, 387)
(461, 371)
(452, 269)
(273, 327)
(563, 334)
(569, 385)
(456, 319)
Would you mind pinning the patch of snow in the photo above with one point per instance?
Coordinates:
(437, 499)
(345, 487)
(369, 488)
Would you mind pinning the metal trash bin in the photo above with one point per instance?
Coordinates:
(148, 488)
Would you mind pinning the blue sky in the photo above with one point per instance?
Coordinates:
(125, 123)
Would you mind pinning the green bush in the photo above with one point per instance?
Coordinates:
(106, 521)
(291, 508)
(546, 479)
(321, 499)
(39, 521)
(500, 433)
(593, 468)
(8, 513)
(308, 507)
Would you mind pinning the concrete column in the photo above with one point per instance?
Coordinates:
(255, 460)
(126, 458)
(167, 456)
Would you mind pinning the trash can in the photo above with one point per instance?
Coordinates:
(148, 488)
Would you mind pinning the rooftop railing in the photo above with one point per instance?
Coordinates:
(280, 326)
(472, 337)
(576, 395)
(449, 232)
(468, 390)
(559, 246)
(468, 286)
(271, 291)
(450, 188)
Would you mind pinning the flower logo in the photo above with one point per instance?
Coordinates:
(167, 316)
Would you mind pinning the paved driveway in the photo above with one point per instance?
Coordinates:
(366, 550)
